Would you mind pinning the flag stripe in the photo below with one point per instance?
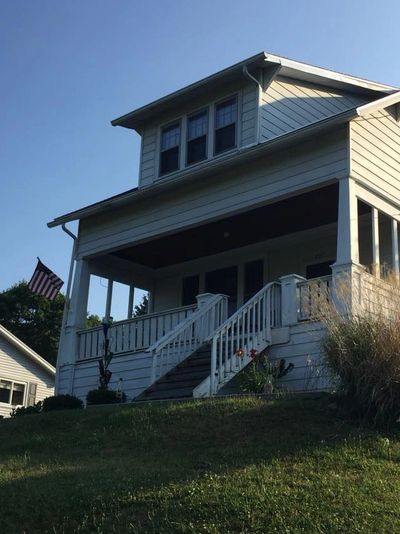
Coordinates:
(45, 282)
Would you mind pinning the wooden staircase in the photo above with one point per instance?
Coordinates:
(180, 382)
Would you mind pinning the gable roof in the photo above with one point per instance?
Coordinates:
(287, 67)
(11, 338)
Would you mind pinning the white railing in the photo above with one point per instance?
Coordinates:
(131, 335)
(246, 330)
(188, 336)
(314, 296)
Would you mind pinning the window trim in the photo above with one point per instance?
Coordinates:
(236, 123)
(205, 110)
(25, 384)
(182, 120)
(169, 124)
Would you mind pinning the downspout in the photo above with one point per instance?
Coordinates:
(249, 76)
(67, 300)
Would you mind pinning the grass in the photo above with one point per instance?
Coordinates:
(234, 465)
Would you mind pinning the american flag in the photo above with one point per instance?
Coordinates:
(45, 282)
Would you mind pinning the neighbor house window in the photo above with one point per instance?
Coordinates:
(170, 141)
(11, 392)
(225, 125)
(197, 126)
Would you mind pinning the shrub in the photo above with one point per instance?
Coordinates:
(260, 375)
(28, 410)
(61, 402)
(105, 396)
(363, 352)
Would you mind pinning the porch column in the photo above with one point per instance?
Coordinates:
(395, 247)
(290, 298)
(76, 317)
(375, 243)
(107, 313)
(347, 235)
(346, 270)
(131, 301)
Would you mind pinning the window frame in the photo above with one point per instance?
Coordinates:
(182, 121)
(163, 127)
(236, 123)
(199, 111)
(12, 382)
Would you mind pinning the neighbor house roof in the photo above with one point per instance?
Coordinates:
(6, 334)
(241, 155)
(288, 68)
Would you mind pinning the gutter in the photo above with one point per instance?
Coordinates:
(188, 175)
(259, 98)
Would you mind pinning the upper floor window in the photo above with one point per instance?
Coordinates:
(170, 141)
(197, 127)
(225, 125)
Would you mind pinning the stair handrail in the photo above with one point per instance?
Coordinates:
(235, 318)
(177, 334)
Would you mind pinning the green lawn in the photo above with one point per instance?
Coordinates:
(232, 465)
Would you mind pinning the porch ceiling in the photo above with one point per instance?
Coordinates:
(288, 216)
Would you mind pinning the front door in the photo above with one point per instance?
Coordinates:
(224, 281)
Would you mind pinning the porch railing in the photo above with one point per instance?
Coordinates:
(131, 335)
(314, 296)
(246, 330)
(188, 336)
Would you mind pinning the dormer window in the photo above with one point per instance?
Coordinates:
(197, 127)
(170, 142)
(225, 125)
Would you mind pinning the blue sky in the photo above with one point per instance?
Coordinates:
(69, 67)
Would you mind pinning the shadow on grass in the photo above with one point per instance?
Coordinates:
(112, 466)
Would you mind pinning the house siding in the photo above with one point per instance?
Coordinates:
(288, 105)
(16, 366)
(133, 368)
(308, 165)
(375, 153)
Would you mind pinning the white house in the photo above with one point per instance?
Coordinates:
(252, 182)
(25, 377)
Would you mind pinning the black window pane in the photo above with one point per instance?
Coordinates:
(190, 289)
(18, 394)
(253, 278)
(197, 125)
(225, 138)
(196, 149)
(225, 113)
(169, 160)
(224, 281)
(5, 391)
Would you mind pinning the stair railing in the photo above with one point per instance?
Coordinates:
(187, 336)
(246, 330)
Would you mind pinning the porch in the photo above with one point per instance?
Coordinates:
(243, 265)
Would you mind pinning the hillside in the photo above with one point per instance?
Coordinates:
(222, 466)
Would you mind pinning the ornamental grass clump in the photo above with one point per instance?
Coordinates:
(363, 352)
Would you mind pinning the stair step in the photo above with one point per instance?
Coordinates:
(169, 394)
(176, 384)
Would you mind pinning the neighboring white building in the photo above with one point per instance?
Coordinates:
(251, 182)
(25, 377)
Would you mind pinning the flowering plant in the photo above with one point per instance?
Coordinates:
(261, 374)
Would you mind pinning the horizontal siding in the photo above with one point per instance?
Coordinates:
(134, 369)
(14, 365)
(288, 105)
(375, 153)
(148, 160)
(249, 115)
(308, 165)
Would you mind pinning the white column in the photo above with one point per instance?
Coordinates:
(107, 312)
(347, 236)
(76, 317)
(131, 301)
(395, 247)
(375, 242)
(290, 300)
